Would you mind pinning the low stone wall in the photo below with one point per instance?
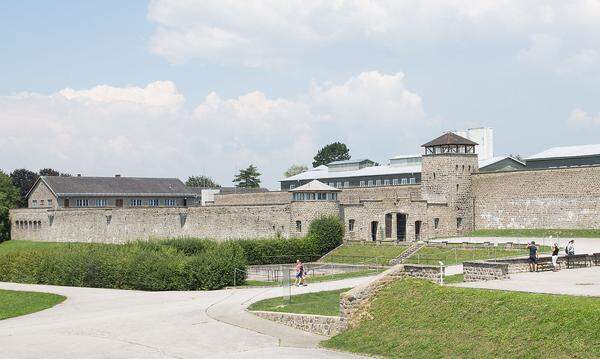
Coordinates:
(317, 324)
(481, 270)
(354, 304)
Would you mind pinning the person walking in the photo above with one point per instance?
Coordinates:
(533, 257)
(299, 273)
(570, 249)
(555, 257)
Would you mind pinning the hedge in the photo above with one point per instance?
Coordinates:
(142, 266)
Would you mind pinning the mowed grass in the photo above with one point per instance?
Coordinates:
(14, 303)
(452, 255)
(317, 279)
(321, 303)
(537, 232)
(419, 319)
(365, 254)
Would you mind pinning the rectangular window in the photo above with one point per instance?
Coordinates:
(458, 223)
(362, 183)
(101, 202)
(153, 202)
(34, 203)
(292, 186)
(338, 185)
(378, 182)
(49, 203)
(404, 181)
(299, 226)
(370, 182)
(322, 196)
(346, 184)
(82, 203)
(331, 184)
(413, 180)
(350, 224)
(436, 223)
(395, 181)
(135, 202)
(170, 202)
(386, 182)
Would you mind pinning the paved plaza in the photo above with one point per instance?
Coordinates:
(109, 323)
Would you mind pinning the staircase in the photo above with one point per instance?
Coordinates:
(412, 249)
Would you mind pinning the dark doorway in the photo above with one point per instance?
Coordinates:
(67, 203)
(374, 225)
(388, 225)
(417, 230)
(119, 202)
(400, 226)
(185, 202)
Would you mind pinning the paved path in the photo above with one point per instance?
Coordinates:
(582, 245)
(108, 323)
(584, 281)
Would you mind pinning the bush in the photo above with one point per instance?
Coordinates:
(327, 233)
(142, 266)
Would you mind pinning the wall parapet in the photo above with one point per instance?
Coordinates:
(317, 324)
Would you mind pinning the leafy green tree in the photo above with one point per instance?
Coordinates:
(23, 179)
(336, 151)
(52, 172)
(201, 181)
(9, 198)
(294, 170)
(248, 178)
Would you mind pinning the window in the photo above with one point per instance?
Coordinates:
(347, 184)
(395, 181)
(101, 202)
(34, 203)
(338, 185)
(350, 224)
(463, 168)
(170, 202)
(49, 203)
(153, 202)
(332, 196)
(456, 168)
(433, 175)
(331, 184)
(378, 182)
(292, 186)
(41, 203)
(458, 223)
(436, 223)
(404, 181)
(469, 168)
(386, 182)
(362, 183)
(135, 202)
(457, 187)
(412, 180)
(299, 226)
(322, 196)
(370, 182)
(82, 203)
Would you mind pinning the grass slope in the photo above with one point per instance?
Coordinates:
(450, 256)
(321, 303)
(537, 232)
(365, 254)
(419, 319)
(14, 304)
(317, 279)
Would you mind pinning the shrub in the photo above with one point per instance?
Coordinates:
(327, 232)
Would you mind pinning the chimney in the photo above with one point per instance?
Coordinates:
(79, 175)
(117, 175)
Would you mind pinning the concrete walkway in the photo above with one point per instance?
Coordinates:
(582, 245)
(108, 323)
(584, 281)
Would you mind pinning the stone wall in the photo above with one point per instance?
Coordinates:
(317, 324)
(550, 198)
(481, 270)
(40, 193)
(241, 199)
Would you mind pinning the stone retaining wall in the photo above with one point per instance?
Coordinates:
(317, 324)
(480, 271)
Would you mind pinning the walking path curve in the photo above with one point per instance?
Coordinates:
(110, 323)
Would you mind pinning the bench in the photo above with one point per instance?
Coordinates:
(576, 261)
(596, 259)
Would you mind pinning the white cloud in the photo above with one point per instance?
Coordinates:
(144, 131)
(580, 118)
(271, 32)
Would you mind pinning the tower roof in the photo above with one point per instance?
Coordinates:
(449, 138)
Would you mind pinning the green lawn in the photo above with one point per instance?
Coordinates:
(317, 279)
(452, 255)
(455, 278)
(418, 319)
(365, 254)
(321, 303)
(13, 304)
(538, 232)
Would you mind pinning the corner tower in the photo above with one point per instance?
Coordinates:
(447, 165)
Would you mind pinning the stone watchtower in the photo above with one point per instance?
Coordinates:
(447, 165)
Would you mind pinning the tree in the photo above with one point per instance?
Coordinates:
(52, 172)
(201, 181)
(294, 170)
(23, 179)
(248, 178)
(9, 198)
(336, 151)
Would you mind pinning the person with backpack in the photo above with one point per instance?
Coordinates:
(555, 257)
(570, 248)
(533, 256)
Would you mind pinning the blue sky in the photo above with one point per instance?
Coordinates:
(177, 88)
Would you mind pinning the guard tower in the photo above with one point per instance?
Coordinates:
(447, 165)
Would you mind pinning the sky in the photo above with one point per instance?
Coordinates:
(175, 88)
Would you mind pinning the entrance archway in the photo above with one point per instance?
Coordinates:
(374, 226)
(400, 226)
(388, 225)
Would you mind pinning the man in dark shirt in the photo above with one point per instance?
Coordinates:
(533, 257)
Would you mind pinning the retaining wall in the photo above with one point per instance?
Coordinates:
(317, 324)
